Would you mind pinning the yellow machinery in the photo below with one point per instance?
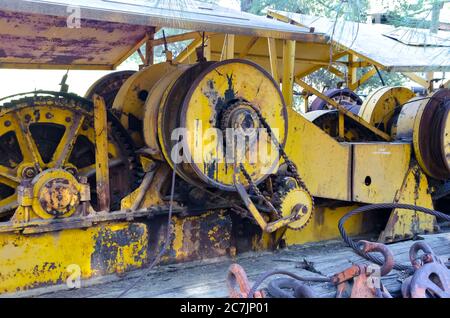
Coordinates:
(86, 184)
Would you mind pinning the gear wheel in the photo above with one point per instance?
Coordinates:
(33, 130)
(297, 200)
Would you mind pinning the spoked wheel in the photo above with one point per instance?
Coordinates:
(345, 97)
(108, 86)
(45, 132)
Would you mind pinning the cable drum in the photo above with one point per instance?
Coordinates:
(191, 110)
(426, 123)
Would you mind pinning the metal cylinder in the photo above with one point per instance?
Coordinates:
(426, 123)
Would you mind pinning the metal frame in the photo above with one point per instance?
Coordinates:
(357, 60)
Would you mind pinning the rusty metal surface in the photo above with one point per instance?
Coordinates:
(431, 278)
(34, 32)
(198, 236)
(238, 278)
(361, 281)
(32, 39)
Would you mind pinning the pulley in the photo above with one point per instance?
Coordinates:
(426, 123)
(344, 96)
(199, 104)
(241, 86)
(384, 104)
(53, 193)
(129, 103)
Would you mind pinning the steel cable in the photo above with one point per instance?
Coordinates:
(352, 243)
(373, 258)
(166, 243)
(266, 275)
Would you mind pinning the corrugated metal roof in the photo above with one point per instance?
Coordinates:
(369, 41)
(34, 32)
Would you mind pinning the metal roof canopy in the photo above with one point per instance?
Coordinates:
(34, 33)
(368, 42)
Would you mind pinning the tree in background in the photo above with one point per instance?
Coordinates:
(350, 10)
(403, 14)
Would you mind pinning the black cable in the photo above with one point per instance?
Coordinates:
(266, 275)
(367, 208)
(379, 75)
(352, 243)
(166, 243)
(278, 288)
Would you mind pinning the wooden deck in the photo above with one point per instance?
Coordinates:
(207, 278)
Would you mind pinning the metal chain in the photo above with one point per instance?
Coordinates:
(291, 165)
(255, 189)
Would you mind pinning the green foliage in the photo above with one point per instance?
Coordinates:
(407, 14)
(404, 14)
(354, 10)
(350, 10)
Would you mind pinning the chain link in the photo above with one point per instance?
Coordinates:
(290, 165)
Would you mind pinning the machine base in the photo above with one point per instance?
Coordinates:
(67, 256)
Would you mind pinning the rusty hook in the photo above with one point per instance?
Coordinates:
(238, 278)
(427, 257)
(367, 247)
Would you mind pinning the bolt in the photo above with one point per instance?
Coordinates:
(68, 119)
(29, 173)
(299, 208)
(71, 170)
(7, 123)
(48, 115)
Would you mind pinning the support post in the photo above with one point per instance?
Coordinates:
(288, 71)
(363, 79)
(149, 49)
(101, 153)
(207, 51)
(273, 56)
(341, 126)
(430, 76)
(351, 70)
(228, 47)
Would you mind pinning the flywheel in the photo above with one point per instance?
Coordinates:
(129, 103)
(344, 96)
(108, 86)
(205, 104)
(56, 131)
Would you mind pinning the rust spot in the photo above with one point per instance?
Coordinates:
(109, 244)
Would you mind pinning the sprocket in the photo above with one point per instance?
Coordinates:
(297, 200)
